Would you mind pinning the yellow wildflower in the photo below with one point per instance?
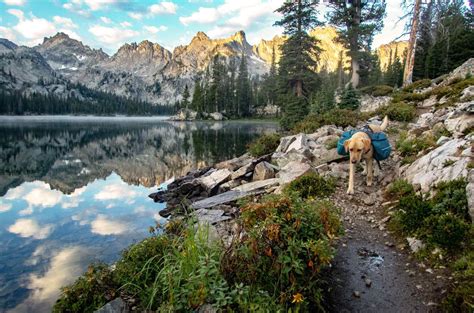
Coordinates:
(297, 298)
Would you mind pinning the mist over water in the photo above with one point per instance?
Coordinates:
(74, 190)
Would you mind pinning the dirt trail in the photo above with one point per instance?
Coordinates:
(372, 271)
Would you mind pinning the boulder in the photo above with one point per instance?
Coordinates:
(369, 103)
(430, 102)
(262, 171)
(285, 142)
(467, 68)
(114, 306)
(235, 163)
(204, 216)
(302, 156)
(447, 162)
(461, 119)
(467, 94)
(325, 131)
(243, 170)
(292, 171)
(257, 185)
(211, 181)
(415, 244)
(216, 116)
(184, 115)
(300, 143)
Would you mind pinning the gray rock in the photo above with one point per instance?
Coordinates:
(210, 216)
(216, 116)
(442, 140)
(415, 244)
(467, 93)
(369, 103)
(215, 179)
(461, 119)
(114, 306)
(257, 185)
(234, 163)
(263, 171)
(292, 171)
(243, 170)
(300, 143)
(438, 164)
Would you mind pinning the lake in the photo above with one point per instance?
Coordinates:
(74, 190)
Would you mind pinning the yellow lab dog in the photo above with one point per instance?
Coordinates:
(360, 146)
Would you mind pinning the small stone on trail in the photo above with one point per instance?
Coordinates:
(356, 294)
(429, 270)
(368, 282)
(419, 287)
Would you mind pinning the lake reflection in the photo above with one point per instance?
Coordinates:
(73, 191)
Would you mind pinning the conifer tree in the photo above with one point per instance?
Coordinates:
(356, 22)
(297, 63)
(186, 95)
(243, 91)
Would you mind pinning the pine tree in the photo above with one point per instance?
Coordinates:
(297, 64)
(186, 96)
(350, 99)
(243, 91)
(356, 22)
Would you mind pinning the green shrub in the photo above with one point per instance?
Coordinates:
(413, 209)
(451, 197)
(461, 298)
(377, 91)
(264, 144)
(402, 96)
(399, 188)
(89, 292)
(411, 147)
(419, 84)
(337, 117)
(311, 186)
(287, 244)
(350, 99)
(453, 90)
(398, 111)
(446, 230)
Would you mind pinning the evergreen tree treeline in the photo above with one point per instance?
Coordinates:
(94, 102)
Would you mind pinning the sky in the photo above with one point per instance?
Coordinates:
(108, 24)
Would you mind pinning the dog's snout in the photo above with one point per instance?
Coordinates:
(354, 161)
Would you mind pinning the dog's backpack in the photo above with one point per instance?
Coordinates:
(380, 143)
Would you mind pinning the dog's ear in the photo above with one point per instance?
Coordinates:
(346, 145)
(367, 144)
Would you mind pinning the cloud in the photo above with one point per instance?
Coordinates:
(7, 33)
(111, 35)
(236, 15)
(64, 21)
(106, 20)
(18, 13)
(15, 2)
(65, 266)
(4, 207)
(126, 24)
(164, 7)
(135, 15)
(75, 6)
(116, 191)
(202, 16)
(95, 5)
(104, 226)
(154, 30)
(43, 197)
(30, 228)
(27, 211)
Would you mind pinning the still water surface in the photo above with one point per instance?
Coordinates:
(74, 191)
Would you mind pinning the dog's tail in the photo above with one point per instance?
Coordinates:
(384, 123)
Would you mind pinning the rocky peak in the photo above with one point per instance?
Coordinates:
(200, 36)
(239, 37)
(6, 46)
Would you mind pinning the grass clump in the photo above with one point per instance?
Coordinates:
(287, 245)
(453, 90)
(409, 148)
(274, 267)
(398, 111)
(461, 297)
(377, 91)
(442, 221)
(311, 186)
(399, 188)
(89, 292)
(264, 144)
(339, 117)
(419, 84)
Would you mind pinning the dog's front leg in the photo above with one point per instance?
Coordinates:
(350, 190)
(370, 170)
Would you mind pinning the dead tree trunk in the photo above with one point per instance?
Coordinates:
(410, 59)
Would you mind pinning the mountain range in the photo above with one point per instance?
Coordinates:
(146, 71)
